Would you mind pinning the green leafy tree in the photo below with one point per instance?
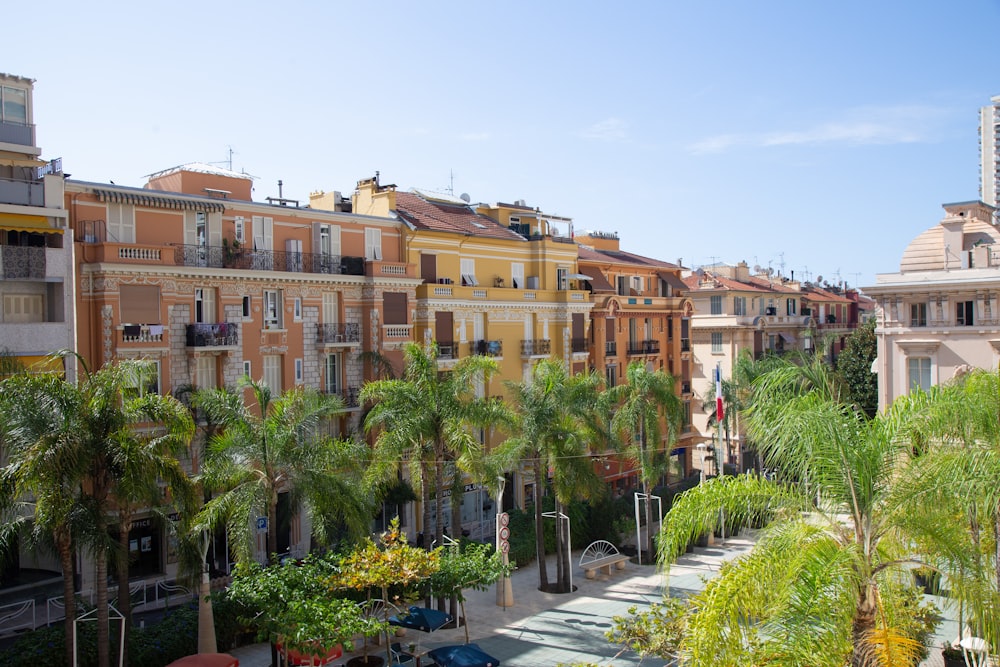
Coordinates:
(854, 365)
(87, 434)
(550, 432)
(466, 566)
(380, 566)
(273, 445)
(818, 586)
(647, 401)
(426, 418)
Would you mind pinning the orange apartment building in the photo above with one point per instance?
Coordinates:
(192, 274)
(640, 314)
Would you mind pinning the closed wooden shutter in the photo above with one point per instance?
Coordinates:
(577, 326)
(428, 268)
(139, 304)
(444, 327)
(394, 308)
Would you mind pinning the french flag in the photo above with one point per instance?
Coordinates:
(719, 411)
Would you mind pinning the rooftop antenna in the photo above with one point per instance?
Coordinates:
(806, 273)
(781, 262)
(231, 152)
(451, 182)
(857, 276)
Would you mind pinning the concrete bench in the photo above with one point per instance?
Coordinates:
(601, 555)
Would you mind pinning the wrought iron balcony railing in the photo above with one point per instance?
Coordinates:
(579, 344)
(611, 348)
(644, 347)
(264, 260)
(338, 333)
(536, 347)
(220, 334)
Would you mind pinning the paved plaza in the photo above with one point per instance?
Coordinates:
(545, 629)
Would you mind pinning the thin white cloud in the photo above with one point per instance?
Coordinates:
(475, 136)
(863, 126)
(610, 129)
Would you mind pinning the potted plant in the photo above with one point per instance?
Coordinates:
(952, 656)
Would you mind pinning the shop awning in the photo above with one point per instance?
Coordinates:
(673, 280)
(599, 283)
(27, 223)
(788, 338)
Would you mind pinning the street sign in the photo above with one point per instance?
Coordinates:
(262, 523)
(504, 519)
(504, 547)
(504, 533)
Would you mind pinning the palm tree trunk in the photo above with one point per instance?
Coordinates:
(69, 592)
(425, 501)
(457, 496)
(439, 506)
(103, 613)
(864, 623)
(543, 577)
(272, 526)
(124, 598)
(649, 522)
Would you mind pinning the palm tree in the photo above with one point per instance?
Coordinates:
(550, 430)
(87, 435)
(45, 464)
(273, 445)
(819, 586)
(957, 428)
(646, 401)
(425, 418)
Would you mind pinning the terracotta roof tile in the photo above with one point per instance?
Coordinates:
(445, 217)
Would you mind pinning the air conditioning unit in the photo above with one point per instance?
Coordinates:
(532, 282)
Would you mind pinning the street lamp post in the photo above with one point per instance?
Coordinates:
(505, 592)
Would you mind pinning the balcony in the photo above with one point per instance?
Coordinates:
(142, 333)
(643, 347)
(489, 348)
(348, 395)
(220, 334)
(337, 334)
(685, 386)
(22, 263)
(221, 257)
(578, 345)
(23, 193)
(685, 344)
(446, 351)
(541, 347)
(22, 134)
(611, 348)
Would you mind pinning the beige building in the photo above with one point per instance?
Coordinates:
(939, 313)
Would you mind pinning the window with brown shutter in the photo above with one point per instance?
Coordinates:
(444, 327)
(139, 304)
(428, 268)
(394, 308)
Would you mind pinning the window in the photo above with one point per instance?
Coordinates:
(239, 224)
(329, 240)
(20, 308)
(637, 284)
(297, 309)
(205, 377)
(562, 278)
(394, 310)
(918, 314)
(272, 309)
(121, 223)
(331, 381)
(147, 381)
(739, 305)
(248, 369)
(469, 272)
(716, 304)
(331, 309)
(204, 305)
(517, 275)
(716, 343)
(965, 313)
(611, 375)
(247, 312)
(622, 285)
(790, 306)
(14, 105)
(272, 373)
(298, 371)
(919, 372)
(373, 244)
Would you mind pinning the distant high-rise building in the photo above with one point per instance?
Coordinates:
(989, 153)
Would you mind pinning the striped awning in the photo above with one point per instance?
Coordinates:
(27, 223)
(158, 201)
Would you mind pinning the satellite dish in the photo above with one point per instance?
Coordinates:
(465, 197)
(756, 268)
(819, 279)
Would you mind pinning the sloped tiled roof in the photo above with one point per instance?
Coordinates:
(621, 257)
(722, 283)
(441, 216)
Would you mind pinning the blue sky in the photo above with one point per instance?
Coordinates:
(822, 135)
